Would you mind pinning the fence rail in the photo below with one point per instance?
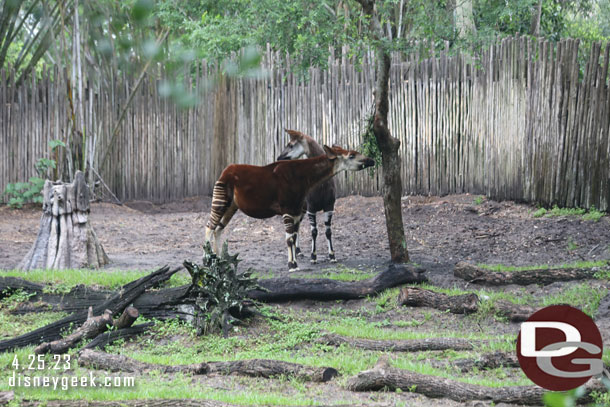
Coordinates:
(521, 121)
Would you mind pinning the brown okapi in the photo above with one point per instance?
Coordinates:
(279, 188)
(320, 198)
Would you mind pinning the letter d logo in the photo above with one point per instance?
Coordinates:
(559, 348)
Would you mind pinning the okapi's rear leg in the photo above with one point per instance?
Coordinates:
(223, 209)
(328, 216)
(297, 246)
(314, 234)
(291, 224)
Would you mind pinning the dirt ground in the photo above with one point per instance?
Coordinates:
(440, 232)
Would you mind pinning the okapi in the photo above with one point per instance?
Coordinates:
(279, 188)
(320, 198)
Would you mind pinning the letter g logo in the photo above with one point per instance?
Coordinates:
(554, 346)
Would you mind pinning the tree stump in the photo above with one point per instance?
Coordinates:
(66, 238)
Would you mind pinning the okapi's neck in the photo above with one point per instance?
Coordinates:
(314, 148)
(318, 170)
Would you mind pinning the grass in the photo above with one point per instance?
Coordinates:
(578, 264)
(342, 273)
(13, 325)
(592, 215)
(292, 339)
(64, 280)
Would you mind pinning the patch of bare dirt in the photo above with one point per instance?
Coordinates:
(440, 232)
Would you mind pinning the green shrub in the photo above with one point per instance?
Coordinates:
(23, 192)
(220, 290)
(593, 215)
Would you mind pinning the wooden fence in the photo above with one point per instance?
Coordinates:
(521, 121)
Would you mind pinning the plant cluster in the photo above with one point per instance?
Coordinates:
(220, 290)
(20, 193)
(369, 146)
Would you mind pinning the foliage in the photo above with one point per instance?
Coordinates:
(221, 291)
(22, 192)
(369, 146)
(563, 399)
(592, 215)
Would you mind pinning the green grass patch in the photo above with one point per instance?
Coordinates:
(581, 296)
(13, 325)
(591, 215)
(578, 264)
(341, 273)
(64, 280)
(540, 212)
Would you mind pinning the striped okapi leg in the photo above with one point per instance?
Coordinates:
(296, 243)
(291, 225)
(328, 216)
(221, 201)
(314, 235)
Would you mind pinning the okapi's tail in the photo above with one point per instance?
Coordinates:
(220, 202)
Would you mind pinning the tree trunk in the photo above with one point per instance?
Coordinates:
(66, 239)
(253, 367)
(126, 403)
(479, 275)
(535, 22)
(407, 345)
(514, 312)
(107, 338)
(383, 377)
(388, 145)
(92, 327)
(456, 304)
(290, 289)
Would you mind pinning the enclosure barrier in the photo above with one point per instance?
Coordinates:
(523, 121)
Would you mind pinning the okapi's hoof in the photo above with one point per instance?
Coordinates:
(298, 251)
(292, 266)
(331, 258)
(314, 258)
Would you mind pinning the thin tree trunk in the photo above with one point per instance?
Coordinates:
(389, 145)
(535, 23)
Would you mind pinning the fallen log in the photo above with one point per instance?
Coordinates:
(456, 304)
(44, 299)
(119, 363)
(254, 367)
(382, 377)
(487, 361)
(289, 289)
(271, 368)
(116, 304)
(127, 403)
(405, 345)
(513, 312)
(127, 318)
(176, 302)
(478, 275)
(106, 338)
(92, 327)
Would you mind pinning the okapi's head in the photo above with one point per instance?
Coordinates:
(349, 160)
(297, 147)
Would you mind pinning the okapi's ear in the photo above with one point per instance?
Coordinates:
(294, 135)
(329, 152)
